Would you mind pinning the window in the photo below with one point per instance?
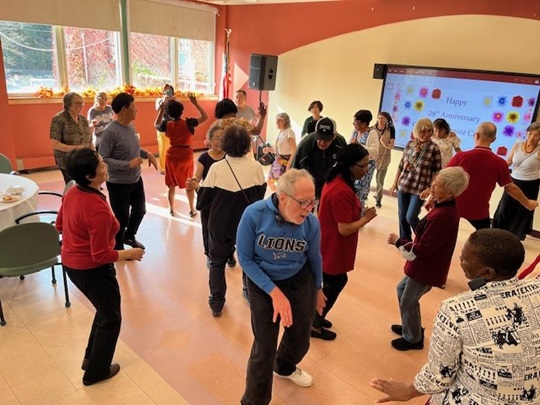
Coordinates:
(151, 64)
(92, 58)
(30, 57)
(195, 65)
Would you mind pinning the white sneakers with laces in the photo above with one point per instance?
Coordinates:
(299, 377)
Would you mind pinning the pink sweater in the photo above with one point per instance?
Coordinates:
(88, 228)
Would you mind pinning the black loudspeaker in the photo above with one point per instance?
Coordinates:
(379, 71)
(262, 72)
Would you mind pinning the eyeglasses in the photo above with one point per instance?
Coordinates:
(305, 204)
(362, 166)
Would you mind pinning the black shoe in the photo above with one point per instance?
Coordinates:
(402, 345)
(231, 262)
(114, 369)
(326, 324)
(324, 334)
(378, 204)
(85, 363)
(216, 314)
(398, 329)
(134, 243)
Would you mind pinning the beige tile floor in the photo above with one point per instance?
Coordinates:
(172, 351)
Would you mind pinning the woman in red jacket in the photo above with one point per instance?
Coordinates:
(88, 229)
(428, 257)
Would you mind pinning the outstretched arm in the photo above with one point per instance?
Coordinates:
(203, 117)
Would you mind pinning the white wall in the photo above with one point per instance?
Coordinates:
(338, 71)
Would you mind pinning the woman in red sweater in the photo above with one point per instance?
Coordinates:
(339, 215)
(429, 256)
(88, 229)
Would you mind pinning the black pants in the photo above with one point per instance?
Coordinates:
(100, 286)
(129, 207)
(332, 287)
(483, 223)
(220, 248)
(300, 291)
(66, 176)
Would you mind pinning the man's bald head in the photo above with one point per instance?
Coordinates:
(487, 131)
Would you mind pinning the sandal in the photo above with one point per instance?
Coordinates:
(192, 213)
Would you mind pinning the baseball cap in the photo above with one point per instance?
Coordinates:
(325, 129)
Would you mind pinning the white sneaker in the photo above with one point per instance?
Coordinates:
(299, 377)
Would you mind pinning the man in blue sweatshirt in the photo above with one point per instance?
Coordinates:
(278, 243)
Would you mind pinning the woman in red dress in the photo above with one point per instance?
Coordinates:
(179, 161)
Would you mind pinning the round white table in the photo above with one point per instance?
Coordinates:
(26, 203)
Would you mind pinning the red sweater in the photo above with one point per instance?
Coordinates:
(88, 228)
(434, 244)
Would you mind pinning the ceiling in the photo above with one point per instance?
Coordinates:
(249, 2)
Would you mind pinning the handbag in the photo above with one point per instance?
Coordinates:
(265, 159)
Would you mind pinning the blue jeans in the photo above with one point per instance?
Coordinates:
(409, 206)
(409, 293)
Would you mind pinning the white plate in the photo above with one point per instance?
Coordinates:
(15, 190)
(12, 198)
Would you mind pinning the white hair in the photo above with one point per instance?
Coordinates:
(455, 179)
(287, 182)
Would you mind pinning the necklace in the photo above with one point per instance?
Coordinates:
(415, 156)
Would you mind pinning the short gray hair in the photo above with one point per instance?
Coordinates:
(455, 179)
(287, 182)
(212, 131)
(535, 126)
(68, 99)
(285, 117)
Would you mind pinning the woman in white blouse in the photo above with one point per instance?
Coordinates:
(284, 149)
(524, 159)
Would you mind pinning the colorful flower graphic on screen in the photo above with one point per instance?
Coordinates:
(419, 105)
(406, 121)
(508, 130)
(407, 104)
(517, 101)
(487, 101)
(531, 102)
(527, 117)
(403, 133)
(497, 116)
(519, 134)
(501, 100)
(395, 108)
(436, 94)
(424, 92)
(410, 90)
(397, 96)
(512, 117)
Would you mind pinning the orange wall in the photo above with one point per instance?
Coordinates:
(7, 146)
(31, 128)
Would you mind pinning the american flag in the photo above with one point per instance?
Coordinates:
(226, 85)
